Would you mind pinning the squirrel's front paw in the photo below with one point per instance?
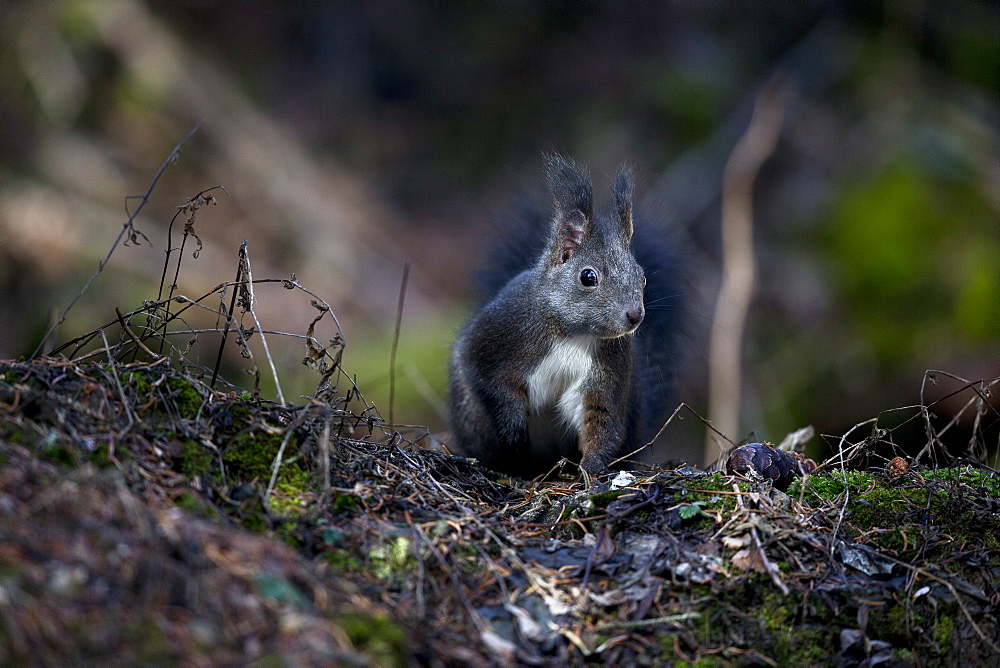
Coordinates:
(594, 464)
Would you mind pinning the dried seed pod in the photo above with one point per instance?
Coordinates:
(897, 468)
(763, 460)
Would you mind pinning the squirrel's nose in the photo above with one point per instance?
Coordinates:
(634, 316)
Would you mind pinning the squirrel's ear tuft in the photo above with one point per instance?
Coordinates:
(570, 185)
(624, 184)
(574, 206)
(570, 231)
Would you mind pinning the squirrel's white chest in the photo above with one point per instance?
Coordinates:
(555, 391)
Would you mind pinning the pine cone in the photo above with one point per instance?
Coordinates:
(763, 460)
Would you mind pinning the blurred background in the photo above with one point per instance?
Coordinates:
(354, 138)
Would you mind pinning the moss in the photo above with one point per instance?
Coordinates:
(137, 380)
(254, 522)
(10, 375)
(252, 515)
(194, 459)
(248, 451)
(602, 500)
(828, 487)
(378, 638)
(285, 500)
(187, 398)
(392, 558)
(899, 516)
(289, 497)
(251, 454)
(17, 436)
(668, 644)
(987, 481)
(289, 533)
(904, 513)
(181, 396)
(192, 504)
(714, 482)
(58, 451)
(343, 560)
(343, 503)
(944, 630)
(795, 629)
(790, 642)
(896, 620)
(703, 492)
(101, 454)
(903, 623)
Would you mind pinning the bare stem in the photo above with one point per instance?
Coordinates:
(738, 265)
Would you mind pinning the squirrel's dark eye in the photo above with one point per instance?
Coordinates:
(589, 278)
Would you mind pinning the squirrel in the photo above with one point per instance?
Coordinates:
(567, 358)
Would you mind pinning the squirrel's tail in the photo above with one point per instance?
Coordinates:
(660, 337)
(515, 245)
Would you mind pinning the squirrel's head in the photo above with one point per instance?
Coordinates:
(593, 284)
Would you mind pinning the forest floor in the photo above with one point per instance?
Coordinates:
(148, 518)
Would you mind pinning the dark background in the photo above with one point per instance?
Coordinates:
(354, 138)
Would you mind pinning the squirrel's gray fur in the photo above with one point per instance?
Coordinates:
(565, 360)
